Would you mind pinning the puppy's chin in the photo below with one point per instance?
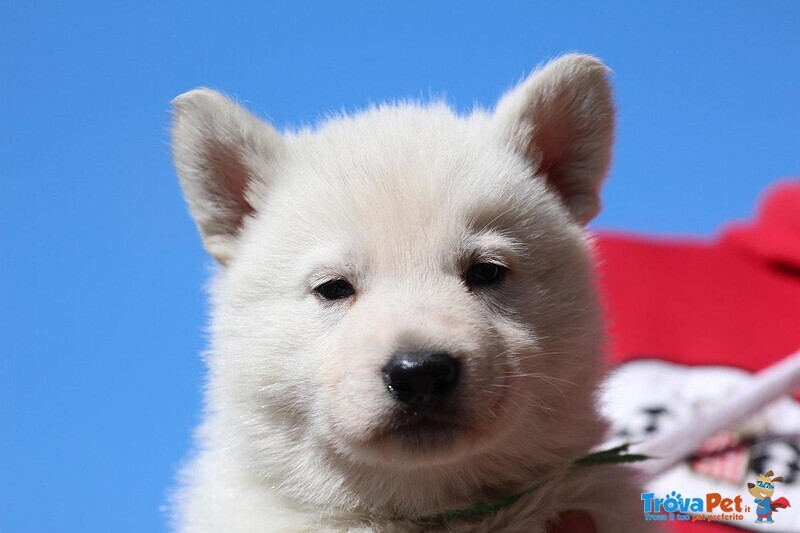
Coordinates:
(414, 443)
(411, 438)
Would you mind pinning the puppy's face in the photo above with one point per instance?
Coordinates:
(405, 287)
(407, 296)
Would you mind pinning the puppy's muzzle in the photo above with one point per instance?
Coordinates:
(421, 379)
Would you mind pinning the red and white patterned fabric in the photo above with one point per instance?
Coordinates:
(690, 321)
(724, 457)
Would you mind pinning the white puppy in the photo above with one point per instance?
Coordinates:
(404, 322)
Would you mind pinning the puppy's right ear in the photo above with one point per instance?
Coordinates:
(220, 151)
(561, 120)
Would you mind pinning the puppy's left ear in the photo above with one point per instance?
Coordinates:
(223, 154)
(561, 119)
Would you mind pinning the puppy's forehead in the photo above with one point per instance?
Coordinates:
(395, 169)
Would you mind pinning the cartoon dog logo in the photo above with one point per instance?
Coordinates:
(763, 489)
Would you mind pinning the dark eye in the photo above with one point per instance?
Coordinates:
(484, 274)
(335, 289)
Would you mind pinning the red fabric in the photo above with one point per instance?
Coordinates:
(732, 300)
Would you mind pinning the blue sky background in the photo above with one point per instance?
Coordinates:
(101, 272)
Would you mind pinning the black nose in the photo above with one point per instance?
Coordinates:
(421, 377)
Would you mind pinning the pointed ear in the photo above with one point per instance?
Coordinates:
(769, 473)
(779, 478)
(561, 119)
(220, 151)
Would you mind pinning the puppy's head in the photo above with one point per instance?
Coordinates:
(405, 288)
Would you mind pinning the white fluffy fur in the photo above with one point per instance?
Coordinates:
(400, 200)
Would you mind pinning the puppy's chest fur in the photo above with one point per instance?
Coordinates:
(611, 492)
